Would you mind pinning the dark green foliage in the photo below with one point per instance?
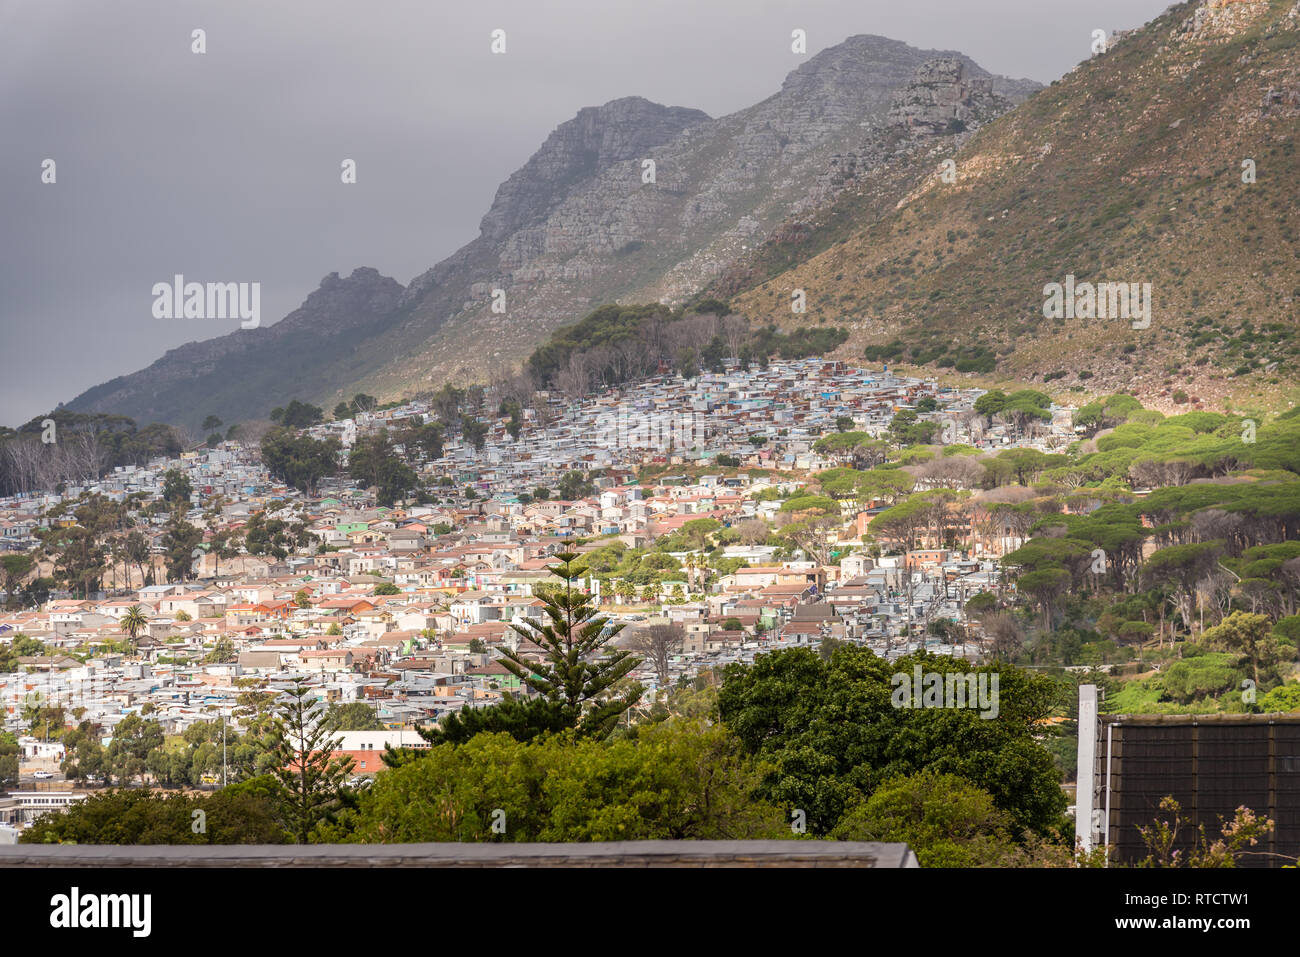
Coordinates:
(800, 342)
(311, 779)
(943, 818)
(275, 536)
(475, 432)
(576, 670)
(574, 485)
(522, 719)
(179, 542)
(622, 343)
(117, 438)
(908, 429)
(374, 462)
(606, 326)
(674, 780)
(8, 759)
(297, 415)
(835, 736)
(134, 739)
(239, 814)
(299, 460)
(176, 488)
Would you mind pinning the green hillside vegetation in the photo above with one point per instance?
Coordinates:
(1128, 169)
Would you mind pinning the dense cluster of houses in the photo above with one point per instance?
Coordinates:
(404, 608)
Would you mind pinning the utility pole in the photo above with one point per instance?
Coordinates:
(223, 749)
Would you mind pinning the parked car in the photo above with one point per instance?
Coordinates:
(43, 775)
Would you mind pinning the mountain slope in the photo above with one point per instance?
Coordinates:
(720, 186)
(1129, 169)
(577, 226)
(241, 376)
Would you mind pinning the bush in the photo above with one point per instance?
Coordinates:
(558, 789)
(1206, 676)
(945, 819)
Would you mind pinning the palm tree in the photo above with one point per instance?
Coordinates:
(133, 622)
(626, 591)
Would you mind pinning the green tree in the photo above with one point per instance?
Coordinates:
(134, 739)
(353, 716)
(574, 485)
(991, 403)
(908, 428)
(374, 461)
(573, 669)
(176, 488)
(1250, 636)
(180, 539)
(15, 567)
(298, 415)
(688, 366)
(240, 814)
(299, 460)
(834, 733)
(311, 778)
(132, 623)
(946, 820)
(475, 432)
(1181, 568)
(223, 652)
(8, 760)
(522, 719)
(77, 551)
(675, 780)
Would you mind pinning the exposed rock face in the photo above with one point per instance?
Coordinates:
(577, 226)
(336, 304)
(943, 97)
(597, 137)
(1220, 19)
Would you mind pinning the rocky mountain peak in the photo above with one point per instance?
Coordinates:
(365, 292)
(944, 97)
(620, 130)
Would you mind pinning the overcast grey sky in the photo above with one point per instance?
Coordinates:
(225, 166)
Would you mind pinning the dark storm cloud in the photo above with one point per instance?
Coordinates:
(225, 166)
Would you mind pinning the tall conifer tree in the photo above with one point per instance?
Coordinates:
(575, 671)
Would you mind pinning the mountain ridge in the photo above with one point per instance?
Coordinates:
(573, 228)
(1129, 168)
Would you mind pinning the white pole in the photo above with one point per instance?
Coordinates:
(1084, 792)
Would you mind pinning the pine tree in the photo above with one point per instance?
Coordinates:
(311, 779)
(574, 672)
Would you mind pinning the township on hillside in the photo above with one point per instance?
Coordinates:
(463, 571)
